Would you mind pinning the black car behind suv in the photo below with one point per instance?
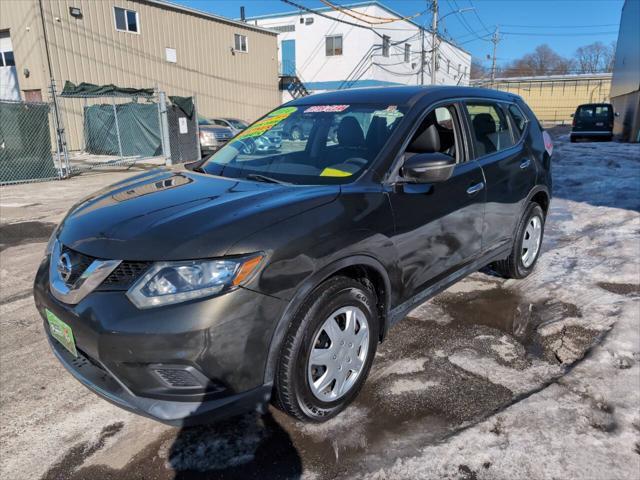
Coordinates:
(187, 294)
(592, 120)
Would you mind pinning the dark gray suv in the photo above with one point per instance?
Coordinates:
(186, 294)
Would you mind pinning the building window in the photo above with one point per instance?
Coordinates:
(448, 67)
(241, 44)
(126, 20)
(385, 45)
(334, 45)
(407, 53)
(284, 28)
(7, 60)
(171, 55)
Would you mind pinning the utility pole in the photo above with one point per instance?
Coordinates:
(495, 39)
(422, 56)
(434, 41)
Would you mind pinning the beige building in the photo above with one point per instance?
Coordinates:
(231, 67)
(554, 98)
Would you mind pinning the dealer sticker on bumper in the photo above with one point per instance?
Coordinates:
(61, 332)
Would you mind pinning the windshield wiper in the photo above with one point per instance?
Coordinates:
(264, 178)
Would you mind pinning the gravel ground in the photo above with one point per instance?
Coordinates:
(492, 379)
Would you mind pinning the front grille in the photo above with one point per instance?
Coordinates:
(125, 275)
(80, 263)
(222, 135)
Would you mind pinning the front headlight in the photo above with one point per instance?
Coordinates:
(52, 239)
(173, 282)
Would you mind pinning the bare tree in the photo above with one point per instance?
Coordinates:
(542, 61)
(596, 57)
(478, 70)
(610, 57)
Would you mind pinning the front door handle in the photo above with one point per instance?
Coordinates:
(525, 163)
(475, 188)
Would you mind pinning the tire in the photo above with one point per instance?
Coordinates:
(294, 393)
(518, 264)
(296, 133)
(572, 139)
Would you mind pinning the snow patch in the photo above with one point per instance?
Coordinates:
(518, 381)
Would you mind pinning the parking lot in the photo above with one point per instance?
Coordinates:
(491, 379)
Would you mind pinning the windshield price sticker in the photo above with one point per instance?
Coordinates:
(273, 119)
(327, 109)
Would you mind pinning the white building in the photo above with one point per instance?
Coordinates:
(326, 54)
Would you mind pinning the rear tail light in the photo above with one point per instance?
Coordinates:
(548, 143)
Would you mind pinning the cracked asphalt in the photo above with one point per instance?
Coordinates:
(484, 348)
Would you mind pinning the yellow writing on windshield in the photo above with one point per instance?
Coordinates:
(273, 119)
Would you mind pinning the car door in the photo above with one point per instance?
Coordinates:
(438, 226)
(508, 166)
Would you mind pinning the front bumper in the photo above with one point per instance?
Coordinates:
(221, 342)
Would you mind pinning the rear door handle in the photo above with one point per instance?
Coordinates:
(475, 188)
(525, 163)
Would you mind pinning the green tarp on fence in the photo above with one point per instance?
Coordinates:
(138, 124)
(85, 89)
(25, 142)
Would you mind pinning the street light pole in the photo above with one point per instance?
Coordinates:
(434, 40)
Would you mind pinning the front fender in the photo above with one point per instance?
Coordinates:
(307, 287)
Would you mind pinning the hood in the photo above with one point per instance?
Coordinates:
(180, 215)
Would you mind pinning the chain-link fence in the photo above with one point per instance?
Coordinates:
(29, 150)
(107, 131)
(78, 132)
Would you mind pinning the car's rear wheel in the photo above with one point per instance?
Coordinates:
(526, 246)
(328, 350)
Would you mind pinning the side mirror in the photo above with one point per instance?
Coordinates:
(572, 115)
(428, 168)
(617, 114)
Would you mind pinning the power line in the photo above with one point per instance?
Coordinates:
(354, 14)
(309, 10)
(475, 12)
(551, 34)
(455, 7)
(561, 26)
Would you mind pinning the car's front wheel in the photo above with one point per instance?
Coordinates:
(328, 350)
(526, 245)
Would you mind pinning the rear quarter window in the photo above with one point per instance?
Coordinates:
(519, 119)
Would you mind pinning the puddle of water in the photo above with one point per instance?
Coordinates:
(507, 311)
(621, 288)
(12, 234)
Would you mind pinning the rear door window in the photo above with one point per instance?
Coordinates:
(491, 131)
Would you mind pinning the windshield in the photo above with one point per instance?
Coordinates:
(204, 121)
(594, 112)
(309, 144)
(237, 123)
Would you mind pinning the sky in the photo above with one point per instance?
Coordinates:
(564, 25)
